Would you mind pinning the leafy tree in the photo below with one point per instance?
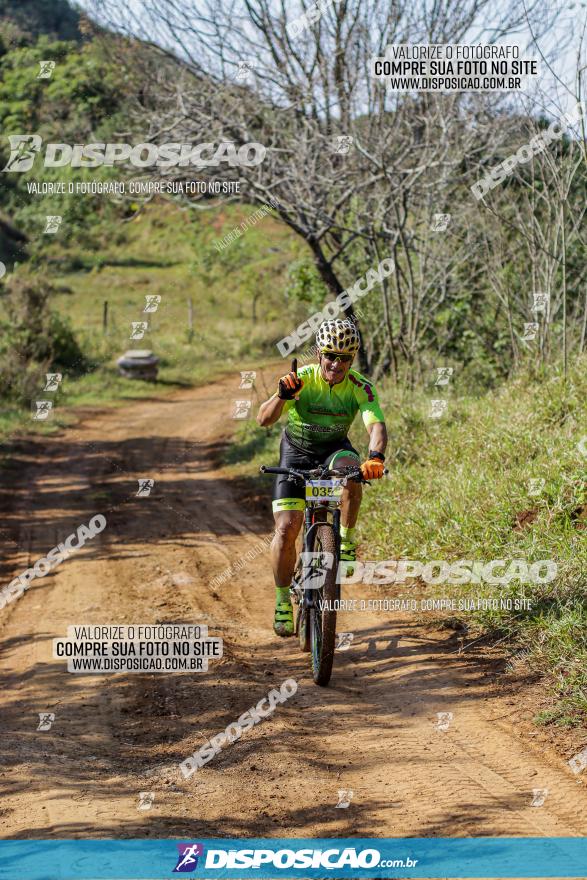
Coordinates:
(54, 17)
(82, 102)
(33, 339)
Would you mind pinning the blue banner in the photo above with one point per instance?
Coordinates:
(372, 857)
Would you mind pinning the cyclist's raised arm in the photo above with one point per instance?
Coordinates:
(288, 387)
(270, 411)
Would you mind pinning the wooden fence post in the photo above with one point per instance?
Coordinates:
(190, 319)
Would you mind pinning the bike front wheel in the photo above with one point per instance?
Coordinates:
(323, 612)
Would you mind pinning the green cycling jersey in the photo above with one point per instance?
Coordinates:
(324, 413)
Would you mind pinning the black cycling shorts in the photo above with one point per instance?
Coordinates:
(290, 494)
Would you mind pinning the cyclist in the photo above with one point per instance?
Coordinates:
(321, 401)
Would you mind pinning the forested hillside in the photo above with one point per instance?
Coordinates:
(57, 18)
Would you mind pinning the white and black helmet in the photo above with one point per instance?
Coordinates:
(340, 336)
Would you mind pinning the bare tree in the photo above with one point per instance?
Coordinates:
(540, 209)
(408, 154)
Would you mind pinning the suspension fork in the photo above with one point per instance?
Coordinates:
(336, 527)
(310, 523)
(308, 544)
(308, 536)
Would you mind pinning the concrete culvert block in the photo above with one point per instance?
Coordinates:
(138, 364)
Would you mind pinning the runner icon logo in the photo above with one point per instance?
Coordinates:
(444, 719)
(316, 565)
(46, 69)
(530, 331)
(344, 143)
(52, 381)
(139, 328)
(152, 302)
(541, 303)
(42, 410)
(247, 379)
(146, 799)
(440, 223)
(187, 860)
(539, 795)
(444, 375)
(242, 409)
(23, 149)
(46, 719)
(344, 641)
(345, 796)
(52, 223)
(438, 408)
(578, 762)
(536, 485)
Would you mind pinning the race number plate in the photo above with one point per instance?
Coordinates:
(323, 489)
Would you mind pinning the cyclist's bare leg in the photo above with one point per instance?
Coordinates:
(351, 495)
(283, 547)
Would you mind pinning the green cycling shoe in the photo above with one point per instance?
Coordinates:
(283, 622)
(348, 551)
(348, 554)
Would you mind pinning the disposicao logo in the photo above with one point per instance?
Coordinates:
(187, 860)
(24, 149)
(331, 859)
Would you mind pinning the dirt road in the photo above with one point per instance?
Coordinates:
(374, 731)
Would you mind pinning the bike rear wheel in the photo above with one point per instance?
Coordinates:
(323, 614)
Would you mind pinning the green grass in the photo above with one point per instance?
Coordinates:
(167, 251)
(456, 488)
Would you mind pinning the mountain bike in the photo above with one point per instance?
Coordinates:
(315, 588)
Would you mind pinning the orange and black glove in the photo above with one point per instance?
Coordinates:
(290, 384)
(373, 468)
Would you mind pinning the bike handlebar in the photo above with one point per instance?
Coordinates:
(274, 470)
(353, 473)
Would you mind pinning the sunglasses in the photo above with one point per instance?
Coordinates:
(335, 356)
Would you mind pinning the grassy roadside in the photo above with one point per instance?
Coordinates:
(237, 294)
(460, 487)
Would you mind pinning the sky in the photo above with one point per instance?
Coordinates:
(570, 18)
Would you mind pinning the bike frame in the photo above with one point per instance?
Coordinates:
(316, 512)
